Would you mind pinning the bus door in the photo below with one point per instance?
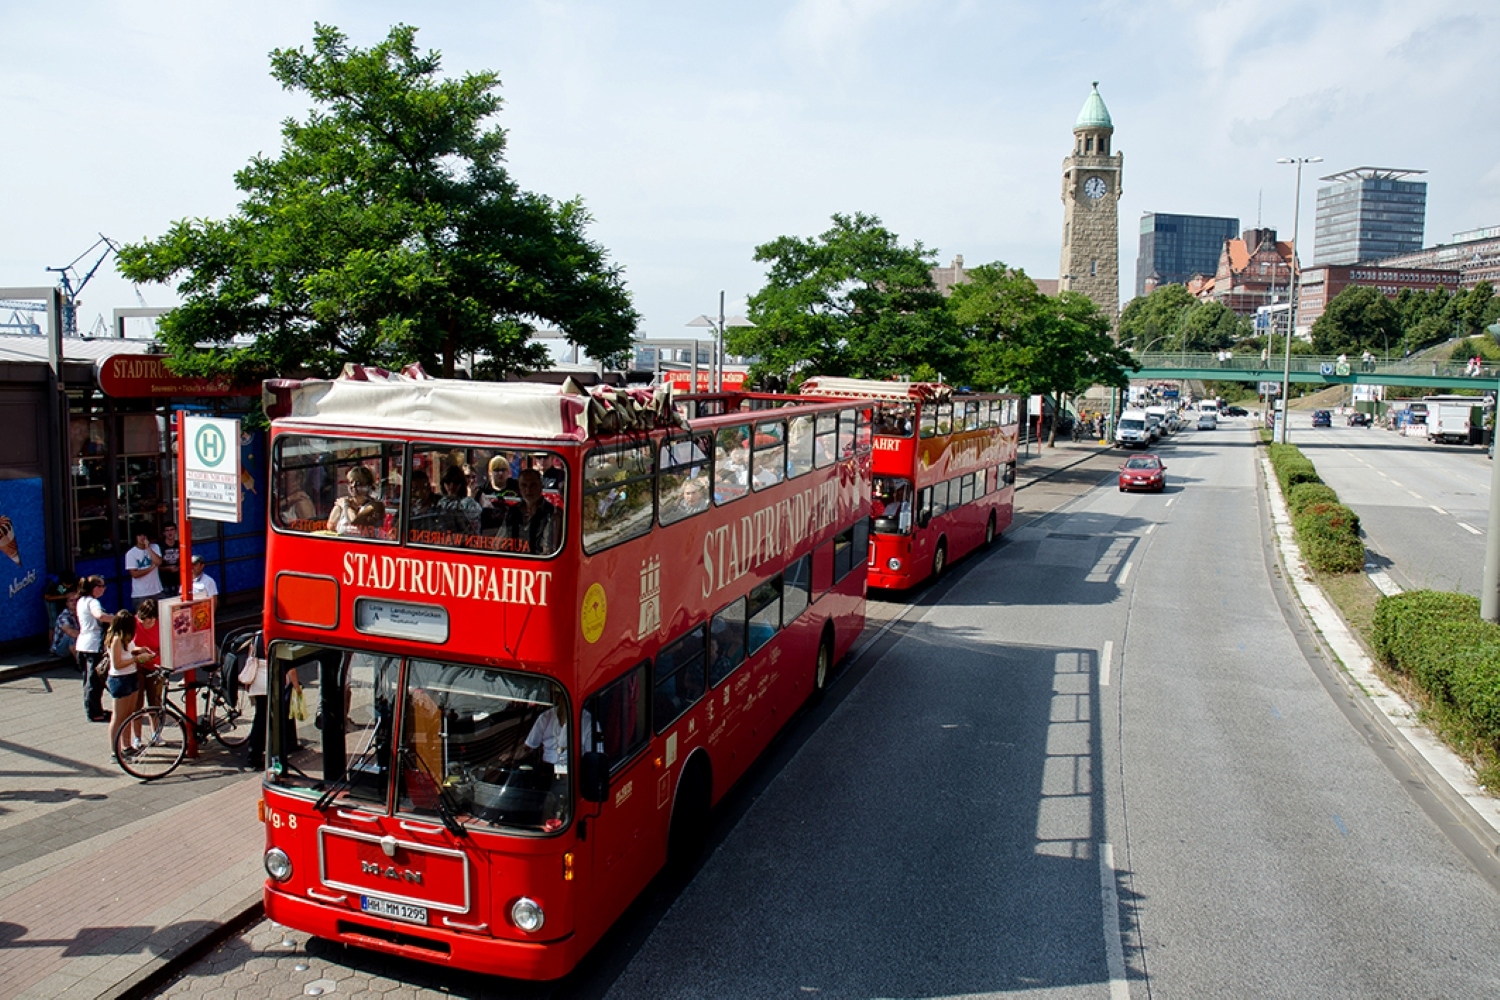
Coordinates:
(623, 838)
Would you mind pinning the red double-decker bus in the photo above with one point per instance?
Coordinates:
(945, 473)
(542, 631)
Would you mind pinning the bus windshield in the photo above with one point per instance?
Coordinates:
(486, 499)
(337, 486)
(891, 505)
(483, 747)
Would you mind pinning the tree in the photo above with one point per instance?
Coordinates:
(1212, 326)
(1032, 343)
(387, 231)
(852, 301)
(1154, 322)
(1359, 318)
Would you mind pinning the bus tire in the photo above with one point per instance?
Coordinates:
(823, 662)
(940, 559)
(989, 531)
(688, 832)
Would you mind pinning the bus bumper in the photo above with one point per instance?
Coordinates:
(532, 960)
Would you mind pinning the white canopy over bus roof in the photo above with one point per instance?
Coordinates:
(412, 401)
(867, 388)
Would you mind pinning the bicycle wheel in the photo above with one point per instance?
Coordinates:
(229, 721)
(163, 743)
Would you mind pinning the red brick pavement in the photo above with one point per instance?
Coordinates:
(67, 915)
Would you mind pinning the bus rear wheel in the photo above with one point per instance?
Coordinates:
(940, 559)
(688, 833)
(823, 665)
(989, 532)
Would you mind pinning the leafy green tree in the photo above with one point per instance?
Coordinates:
(1031, 343)
(1212, 326)
(387, 231)
(1359, 318)
(1154, 322)
(852, 301)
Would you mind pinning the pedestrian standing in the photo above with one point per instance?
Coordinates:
(92, 620)
(203, 584)
(142, 563)
(171, 555)
(124, 676)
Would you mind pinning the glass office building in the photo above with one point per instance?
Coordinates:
(1176, 247)
(1369, 213)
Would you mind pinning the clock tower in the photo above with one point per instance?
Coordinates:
(1091, 222)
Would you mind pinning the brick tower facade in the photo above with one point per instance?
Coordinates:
(1091, 221)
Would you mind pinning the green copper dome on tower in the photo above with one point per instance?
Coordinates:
(1094, 113)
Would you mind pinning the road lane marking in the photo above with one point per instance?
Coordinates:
(1150, 527)
(1170, 502)
(1114, 947)
(1470, 528)
(1105, 657)
(1125, 573)
(1436, 508)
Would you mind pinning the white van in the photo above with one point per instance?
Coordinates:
(1208, 406)
(1133, 430)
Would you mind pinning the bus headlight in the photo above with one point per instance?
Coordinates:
(893, 563)
(278, 865)
(527, 915)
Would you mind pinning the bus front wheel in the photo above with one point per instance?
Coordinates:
(940, 559)
(689, 830)
(989, 532)
(823, 666)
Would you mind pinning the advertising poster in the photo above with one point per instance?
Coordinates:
(188, 634)
(23, 559)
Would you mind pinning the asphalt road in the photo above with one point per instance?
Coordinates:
(1424, 507)
(1095, 762)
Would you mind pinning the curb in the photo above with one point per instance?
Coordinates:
(1443, 772)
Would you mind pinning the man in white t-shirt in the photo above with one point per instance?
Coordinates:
(203, 584)
(143, 563)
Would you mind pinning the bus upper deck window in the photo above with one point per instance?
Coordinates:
(846, 433)
(731, 463)
(768, 454)
(895, 419)
(619, 489)
(929, 420)
(337, 486)
(799, 452)
(826, 448)
(683, 481)
(489, 499)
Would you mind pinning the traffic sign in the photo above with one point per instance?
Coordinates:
(211, 480)
(1270, 388)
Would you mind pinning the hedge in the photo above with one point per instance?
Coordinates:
(1327, 531)
(1292, 467)
(1305, 494)
(1439, 641)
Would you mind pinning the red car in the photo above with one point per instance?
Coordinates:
(1143, 472)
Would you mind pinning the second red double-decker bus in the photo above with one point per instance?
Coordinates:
(945, 472)
(542, 631)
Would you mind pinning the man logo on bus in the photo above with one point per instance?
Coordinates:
(650, 597)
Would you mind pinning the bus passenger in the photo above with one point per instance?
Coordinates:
(691, 497)
(532, 523)
(457, 511)
(500, 483)
(554, 474)
(296, 505)
(360, 509)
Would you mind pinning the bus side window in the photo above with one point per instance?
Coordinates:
(971, 417)
(939, 499)
(799, 454)
(861, 542)
(929, 421)
(966, 488)
(826, 449)
(945, 418)
(797, 591)
(843, 554)
(846, 433)
(1010, 473)
(682, 482)
(768, 454)
(619, 483)
(732, 464)
(864, 437)
(726, 642)
(822, 569)
(991, 479)
(679, 680)
(765, 613)
(924, 506)
(616, 719)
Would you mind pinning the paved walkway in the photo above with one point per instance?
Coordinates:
(105, 881)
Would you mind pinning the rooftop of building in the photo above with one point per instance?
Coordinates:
(1094, 113)
(1373, 174)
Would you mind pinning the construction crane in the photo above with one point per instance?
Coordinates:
(15, 322)
(71, 286)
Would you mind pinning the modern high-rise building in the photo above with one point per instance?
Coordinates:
(1176, 247)
(1368, 213)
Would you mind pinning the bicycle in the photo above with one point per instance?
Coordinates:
(153, 741)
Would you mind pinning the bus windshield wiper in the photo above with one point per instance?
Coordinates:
(445, 811)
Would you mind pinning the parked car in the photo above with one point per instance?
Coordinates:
(1322, 418)
(1358, 419)
(1143, 472)
(1236, 411)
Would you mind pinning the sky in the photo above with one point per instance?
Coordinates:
(694, 132)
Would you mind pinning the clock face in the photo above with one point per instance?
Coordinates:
(1094, 188)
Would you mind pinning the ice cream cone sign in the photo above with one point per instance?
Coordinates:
(8, 540)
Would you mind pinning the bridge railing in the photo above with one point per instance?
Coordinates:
(1310, 364)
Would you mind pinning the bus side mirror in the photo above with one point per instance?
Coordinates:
(593, 777)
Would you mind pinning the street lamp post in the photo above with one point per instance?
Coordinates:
(1286, 373)
(717, 326)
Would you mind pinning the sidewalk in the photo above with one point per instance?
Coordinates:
(105, 880)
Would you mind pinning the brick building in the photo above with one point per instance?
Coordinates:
(1321, 285)
(1254, 270)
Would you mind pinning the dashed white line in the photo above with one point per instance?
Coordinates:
(1125, 573)
(1470, 528)
(1105, 656)
(1150, 527)
(1114, 946)
(1436, 508)
(1170, 502)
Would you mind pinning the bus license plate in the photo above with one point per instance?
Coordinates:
(396, 911)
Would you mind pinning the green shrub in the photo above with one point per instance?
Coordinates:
(1403, 622)
(1292, 467)
(1474, 682)
(1303, 495)
(1328, 534)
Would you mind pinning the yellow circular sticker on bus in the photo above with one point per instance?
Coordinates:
(594, 612)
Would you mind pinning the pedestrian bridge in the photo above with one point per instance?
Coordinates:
(1312, 369)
